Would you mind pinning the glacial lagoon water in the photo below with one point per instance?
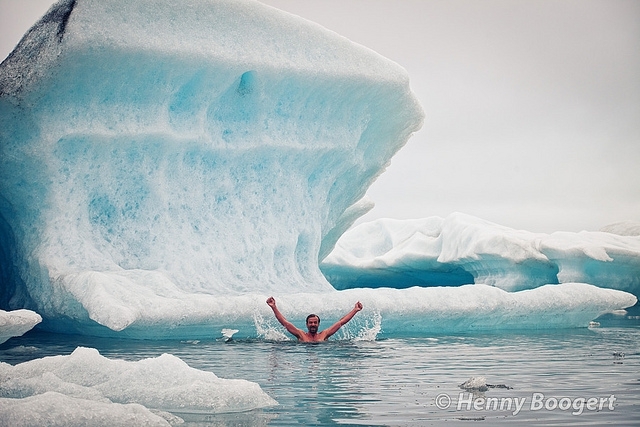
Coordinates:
(524, 378)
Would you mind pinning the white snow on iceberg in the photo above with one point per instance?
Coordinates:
(462, 249)
(624, 228)
(17, 322)
(419, 311)
(399, 312)
(194, 148)
(53, 409)
(119, 391)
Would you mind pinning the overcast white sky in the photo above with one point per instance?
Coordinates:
(532, 107)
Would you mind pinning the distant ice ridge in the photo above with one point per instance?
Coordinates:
(462, 249)
(158, 153)
(17, 322)
(85, 388)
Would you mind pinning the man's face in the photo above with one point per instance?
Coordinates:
(312, 324)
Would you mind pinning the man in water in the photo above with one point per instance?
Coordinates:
(313, 321)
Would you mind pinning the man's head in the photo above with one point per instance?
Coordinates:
(313, 322)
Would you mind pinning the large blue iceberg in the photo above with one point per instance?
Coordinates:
(165, 167)
(218, 147)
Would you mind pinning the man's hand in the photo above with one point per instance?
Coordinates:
(271, 302)
(358, 306)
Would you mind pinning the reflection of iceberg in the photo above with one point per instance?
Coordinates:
(116, 389)
(462, 249)
(164, 169)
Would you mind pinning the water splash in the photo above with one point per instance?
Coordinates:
(267, 330)
(366, 328)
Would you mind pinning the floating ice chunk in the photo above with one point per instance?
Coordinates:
(414, 311)
(17, 322)
(164, 383)
(435, 251)
(480, 384)
(227, 334)
(428, 311)
(54, 409)
(463, 249)
(475, 383)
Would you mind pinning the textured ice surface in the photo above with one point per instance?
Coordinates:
(154, 154)
(624, 228)
(422, 311)
(463, 249)
(53, 409)
(165, 169)
(85, 383)
(17, 322)
(398, 312)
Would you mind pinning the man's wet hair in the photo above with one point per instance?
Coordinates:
(312, 315)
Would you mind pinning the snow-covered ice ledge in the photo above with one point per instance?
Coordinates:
(417, 311)
(17, 322)
(462, 249)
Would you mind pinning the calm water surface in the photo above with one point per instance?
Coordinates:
(406, 382)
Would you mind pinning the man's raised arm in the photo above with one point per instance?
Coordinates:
(340, 323)
(271, 302)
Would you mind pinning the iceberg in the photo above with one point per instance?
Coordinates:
(117, 391)
(429, 311)
(17, 322)
(624, 228)
(164, 169)
(153, 154)
(462, 249)
(55, 409)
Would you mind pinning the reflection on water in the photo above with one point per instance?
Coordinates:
(401, 382)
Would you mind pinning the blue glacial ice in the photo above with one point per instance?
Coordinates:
(214, 149)
(419, 312)
(61, 390)
(462, 249)
(164, 170)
